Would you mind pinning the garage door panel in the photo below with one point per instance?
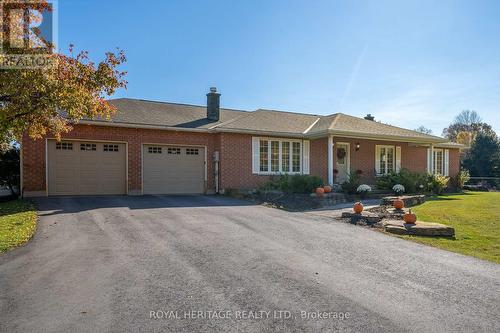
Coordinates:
(173, 173)
(79, 171)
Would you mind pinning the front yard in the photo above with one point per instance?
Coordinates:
(17, 223)
(475, 217)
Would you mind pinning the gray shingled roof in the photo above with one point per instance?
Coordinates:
(136, 112)
(340, 123)
(141, 112)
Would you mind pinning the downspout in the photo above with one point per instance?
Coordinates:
(216, 171)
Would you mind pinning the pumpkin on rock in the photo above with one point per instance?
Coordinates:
(398, 204)
(410, 217)
(358, 207)
(320, 191)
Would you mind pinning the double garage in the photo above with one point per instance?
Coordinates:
(77, 167)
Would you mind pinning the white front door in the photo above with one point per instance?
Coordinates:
(342, 162)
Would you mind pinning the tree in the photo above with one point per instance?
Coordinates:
(9, 169)
(467, 122)
(483, 158)
(51, 99)
(423, 129)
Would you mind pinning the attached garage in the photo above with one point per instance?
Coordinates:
(173, 169)
(86, 168)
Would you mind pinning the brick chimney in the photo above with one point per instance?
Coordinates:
(213, 104)
(369, 117)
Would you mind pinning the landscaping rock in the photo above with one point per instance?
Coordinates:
(367, 217)
(419, 229)
(409, 200)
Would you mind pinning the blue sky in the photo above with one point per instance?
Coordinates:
(409, 63)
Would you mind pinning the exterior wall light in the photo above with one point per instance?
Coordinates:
(357, 146)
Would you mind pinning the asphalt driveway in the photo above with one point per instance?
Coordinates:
(114, 263)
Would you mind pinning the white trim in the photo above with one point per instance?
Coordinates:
(377, 159)
(446, 162)
(306, 157)
(256, 157)
(348, 157)
(330, 159)
(398, 159)
(205, 148)
(83, 140)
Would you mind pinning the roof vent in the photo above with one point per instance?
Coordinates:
(369, 117)
(213, 105)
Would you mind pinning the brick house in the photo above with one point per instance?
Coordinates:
(167, 148)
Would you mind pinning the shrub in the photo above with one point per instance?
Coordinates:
(352, 184)
(411, 181)
(437, 183)
(462, 178)
(364, 190)
(293, 183)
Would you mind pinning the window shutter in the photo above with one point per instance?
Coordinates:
(255, 155)
(305, 157)
(377, 160)
(398, 159)
(446, 162)
(429, 166)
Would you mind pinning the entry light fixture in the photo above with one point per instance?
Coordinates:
(357, 146)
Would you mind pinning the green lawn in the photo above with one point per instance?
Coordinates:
(17, 223)
(475, 217)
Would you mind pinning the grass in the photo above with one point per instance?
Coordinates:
(17, 223)
(475, 217)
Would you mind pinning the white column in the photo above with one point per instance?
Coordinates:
(330, 160)
(432, 159)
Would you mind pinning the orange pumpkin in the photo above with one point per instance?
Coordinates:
(327, 188)
(320, 191)
(410, 217)
(358, 207)
(398, 204)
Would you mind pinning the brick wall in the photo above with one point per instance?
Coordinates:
(34, 151)
(235, 155)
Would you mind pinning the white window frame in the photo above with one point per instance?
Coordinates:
(377, 159)
(435, 160)
(256, 156)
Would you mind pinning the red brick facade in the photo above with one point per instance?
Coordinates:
(235, 156)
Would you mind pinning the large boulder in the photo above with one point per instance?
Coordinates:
(419, 229)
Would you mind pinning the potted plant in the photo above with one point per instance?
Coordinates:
(363, 190)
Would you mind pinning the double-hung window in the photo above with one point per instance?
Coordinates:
(278, 156)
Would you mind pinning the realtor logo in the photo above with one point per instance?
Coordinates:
(28, 31)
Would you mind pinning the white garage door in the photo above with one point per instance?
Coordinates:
(173, 169)
(86, 168)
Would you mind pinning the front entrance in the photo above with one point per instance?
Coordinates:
(342, 162)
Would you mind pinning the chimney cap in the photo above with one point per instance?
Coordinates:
(213, 89)
(369, 117)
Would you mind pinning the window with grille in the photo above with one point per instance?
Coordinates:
(88, 146)
(110, 148)
(192, 151)
(174, 151)
(386, 159)
(64, 146)
(154, 150)
(280, 156)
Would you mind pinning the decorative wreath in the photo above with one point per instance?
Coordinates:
(341, 153)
